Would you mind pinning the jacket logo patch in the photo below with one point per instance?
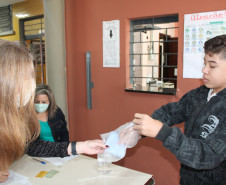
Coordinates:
(209, 128)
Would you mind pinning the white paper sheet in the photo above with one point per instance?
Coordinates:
(58, 161)
(111, 43)
(16, 179)
(198, 28)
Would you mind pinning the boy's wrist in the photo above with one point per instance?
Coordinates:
(163, 133)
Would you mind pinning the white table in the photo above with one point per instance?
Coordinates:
(82, 170)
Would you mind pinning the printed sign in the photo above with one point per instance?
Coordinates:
(198, 28)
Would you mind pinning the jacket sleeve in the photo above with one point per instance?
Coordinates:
(175, 112)
(205, 153)
(64, 134)
(195, 153)
(41, 148)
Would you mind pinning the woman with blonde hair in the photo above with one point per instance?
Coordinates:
(19, 126)
(18, 123)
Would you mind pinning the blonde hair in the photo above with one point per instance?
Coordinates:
(18, 123)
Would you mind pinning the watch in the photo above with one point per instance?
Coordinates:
(73, 148)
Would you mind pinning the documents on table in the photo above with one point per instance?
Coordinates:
(58, 161)
(48, 174)
(16, 179)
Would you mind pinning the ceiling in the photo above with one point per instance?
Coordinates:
(8, 2)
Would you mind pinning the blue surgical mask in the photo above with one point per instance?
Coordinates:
(40, 107)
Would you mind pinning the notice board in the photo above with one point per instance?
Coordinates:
(198, 28)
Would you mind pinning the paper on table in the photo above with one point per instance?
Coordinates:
(16, 179)
(58, 161)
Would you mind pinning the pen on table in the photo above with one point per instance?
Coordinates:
(39, 160)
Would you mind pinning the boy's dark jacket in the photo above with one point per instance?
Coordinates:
(202, 148)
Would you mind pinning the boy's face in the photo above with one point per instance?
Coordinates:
(214, 72)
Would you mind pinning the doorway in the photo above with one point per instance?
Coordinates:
(32, 33)
(168, 58)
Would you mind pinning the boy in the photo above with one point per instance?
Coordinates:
(202, 148)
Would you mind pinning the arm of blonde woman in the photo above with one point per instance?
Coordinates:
(89, 147)
(4, 176)
(41, 148)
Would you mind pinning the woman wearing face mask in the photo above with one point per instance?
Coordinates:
(51, 118)
(53, 140)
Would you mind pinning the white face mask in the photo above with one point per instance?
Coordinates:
(30, 91)
(41, 107)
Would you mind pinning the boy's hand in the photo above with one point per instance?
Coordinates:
(146, 125)
(4, 176)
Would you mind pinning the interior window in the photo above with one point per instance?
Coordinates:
(153, 54)
(6, 23)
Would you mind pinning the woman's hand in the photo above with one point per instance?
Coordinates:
(90, 147)
(146, 125)
(4, 176)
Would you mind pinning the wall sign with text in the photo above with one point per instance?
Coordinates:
(198, 28)
(111, 43)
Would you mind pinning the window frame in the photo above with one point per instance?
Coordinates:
(7, 20)
(151, 21)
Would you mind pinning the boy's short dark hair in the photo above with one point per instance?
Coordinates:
(216, 45)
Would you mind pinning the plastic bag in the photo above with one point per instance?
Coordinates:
(119, 140)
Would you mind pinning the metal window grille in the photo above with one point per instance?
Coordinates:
(153, 52)
(6, 23)
(32, 32)
(32, 28)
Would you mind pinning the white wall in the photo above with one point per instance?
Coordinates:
(55, 50)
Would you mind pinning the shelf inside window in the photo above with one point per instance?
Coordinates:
(153, 90)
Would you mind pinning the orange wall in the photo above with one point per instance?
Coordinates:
(112, 106)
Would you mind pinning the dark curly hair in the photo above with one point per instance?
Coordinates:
(216, 45)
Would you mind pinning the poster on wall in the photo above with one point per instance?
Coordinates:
(198, 28)
(111, 47)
